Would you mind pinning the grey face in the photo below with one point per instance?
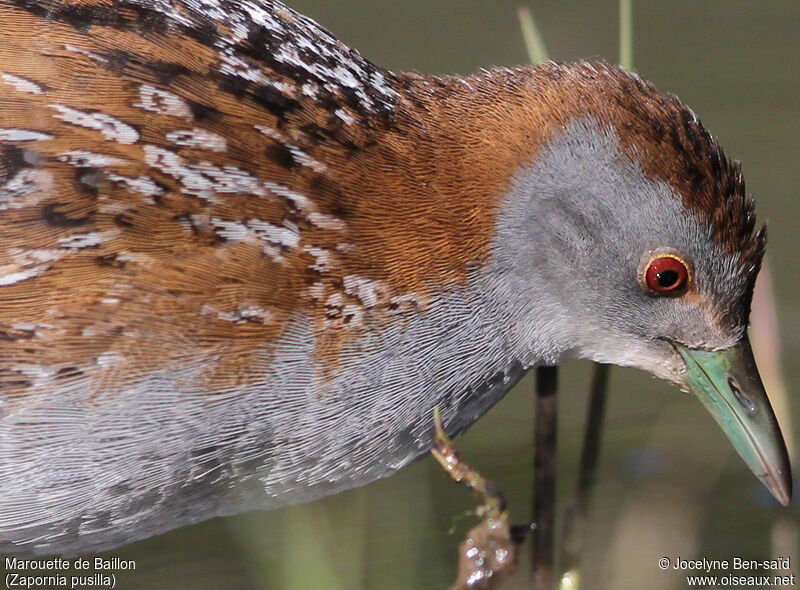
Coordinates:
(575, 235)
(579, 226)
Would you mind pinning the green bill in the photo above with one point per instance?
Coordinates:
(728, 384)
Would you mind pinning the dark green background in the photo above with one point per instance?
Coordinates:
(669, 483)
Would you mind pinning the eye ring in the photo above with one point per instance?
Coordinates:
(666, 274)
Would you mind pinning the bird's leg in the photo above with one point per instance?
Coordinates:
(489, 550)
(544, 477)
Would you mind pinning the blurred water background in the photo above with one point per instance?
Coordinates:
(669, 483)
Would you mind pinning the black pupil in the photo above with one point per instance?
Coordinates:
(667, 278)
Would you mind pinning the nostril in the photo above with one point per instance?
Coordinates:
(741, 397)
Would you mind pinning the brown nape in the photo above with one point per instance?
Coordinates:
(656, 130)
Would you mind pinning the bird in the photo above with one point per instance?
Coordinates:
(240, 264)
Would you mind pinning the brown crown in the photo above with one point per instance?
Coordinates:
(656, 130)
(681, 151)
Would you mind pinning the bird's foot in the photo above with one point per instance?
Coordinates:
(489, 550)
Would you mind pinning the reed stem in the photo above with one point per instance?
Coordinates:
(544, 478)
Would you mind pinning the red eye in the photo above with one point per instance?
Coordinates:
(666, 274)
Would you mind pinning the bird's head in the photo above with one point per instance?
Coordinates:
(631, 239)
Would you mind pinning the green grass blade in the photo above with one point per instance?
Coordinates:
(537, 52)
(626, 34)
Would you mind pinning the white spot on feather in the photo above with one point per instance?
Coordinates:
(246, 313)
(23, 135)
(25, 188)
(300, 201)
(344, 116)
(272, 133)
(198, 139)
(8, 277)
(212, 9)
(203, 179)
(317, 290)
(172, 164)
(23, 84)
(322, 258)
(229, 179)
(140, 184)
(367, 290)
(324, 221)
(163, 102)
(334, 300)
(84, 159)
(287, 236)
(112, 129)
(108, 358)
(186, 224)
(38, 372)
(27, 265)
(37, 256)
(236, 66)
(306, 207)
(353, 314)
(273, 238)
(310, 89)
(93, 56)
(234, 231)
(304, 159)
(82, 240)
